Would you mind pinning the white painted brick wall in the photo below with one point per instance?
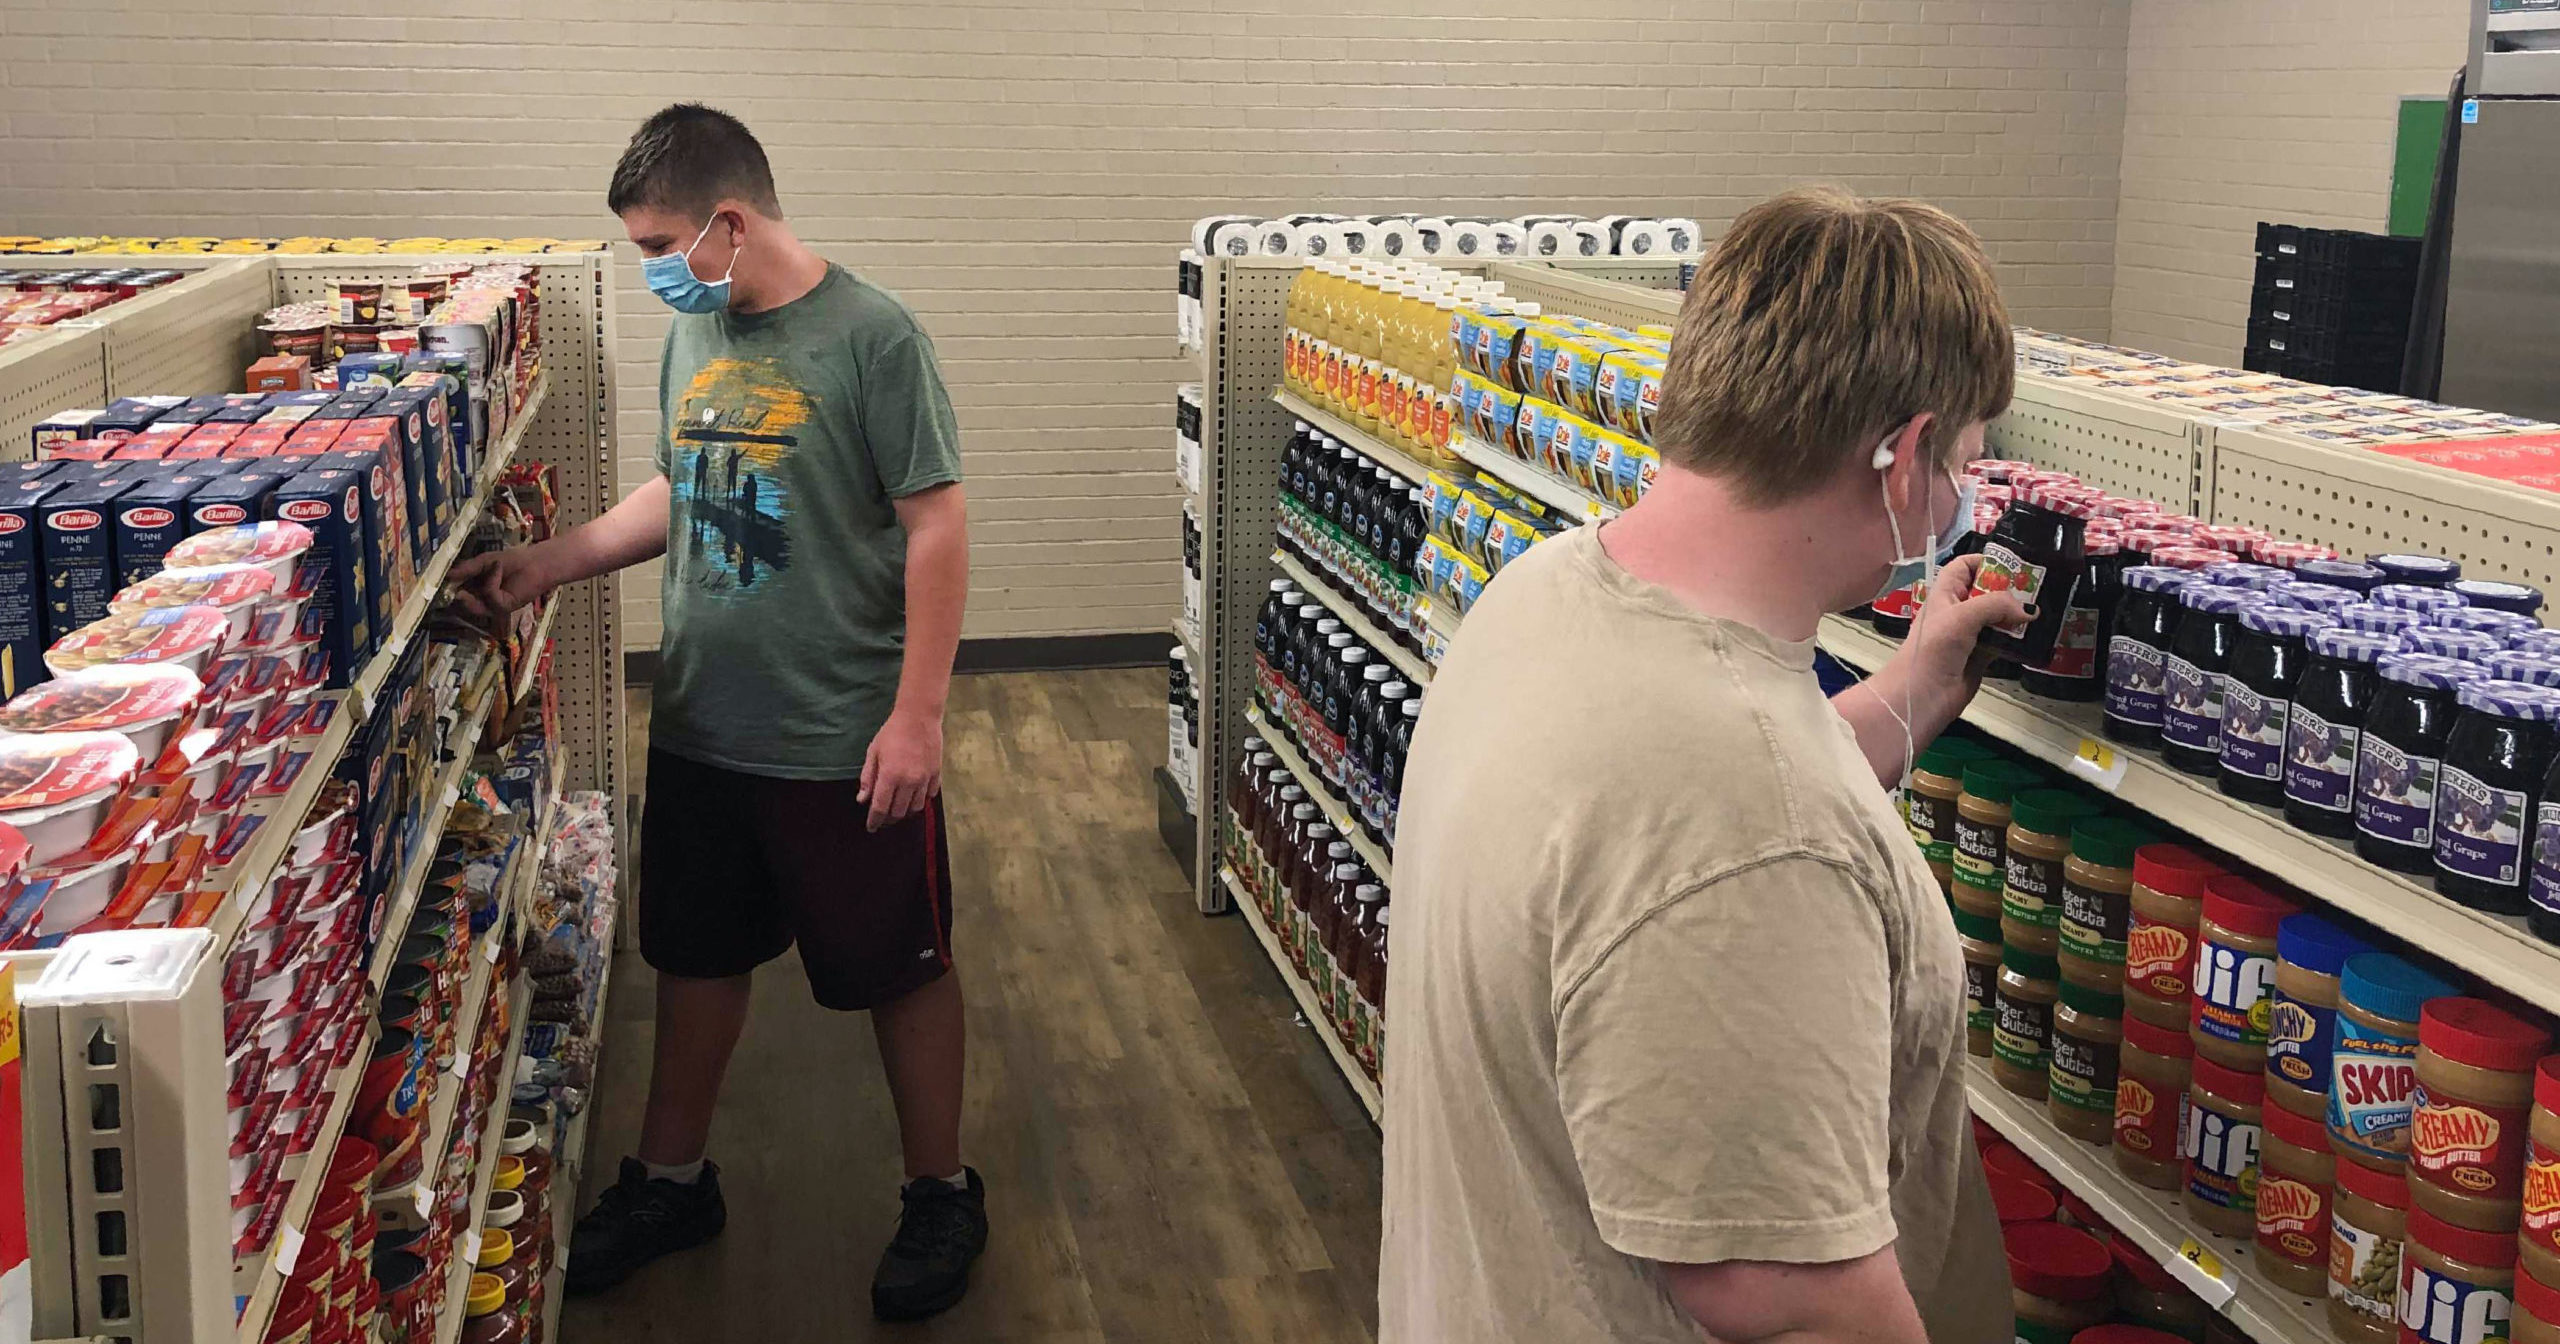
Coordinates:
(2243, 110)
(1022, 173)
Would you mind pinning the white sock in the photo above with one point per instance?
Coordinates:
(958, 1180)
(684, 1173)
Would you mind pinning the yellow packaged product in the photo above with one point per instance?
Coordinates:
(1632, 467)
(1528, 441)
(1510, 536)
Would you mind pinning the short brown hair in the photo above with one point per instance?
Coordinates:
(1821, 322)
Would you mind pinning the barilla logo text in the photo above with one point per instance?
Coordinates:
(219, 515)
(2437, 1309)
(305, 510)
(149, 517)
(2451, 1134)
(2287, 1206)
(2156, 953)
(10, 522)
(74, 520)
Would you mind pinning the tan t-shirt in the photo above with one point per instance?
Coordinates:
(1670, 983)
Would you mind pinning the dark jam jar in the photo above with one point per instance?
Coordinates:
(2318, 597)
(2348, 574)
(2494, 760)
(2468, 645)
(2320, 735)
(2191, 724)
(2542, 882)
(2523, 599)
(2374, 618)
(2035, 552)
(2073, 671)
(2242, 574)
(2535, 641)
(2257, 697)
(2138, 653)
(2499, 625)
(1891, 614)
(2533, 667)
(2397, 758)
(2432, 571)
(2423, 600)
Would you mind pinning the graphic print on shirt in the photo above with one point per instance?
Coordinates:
(738, 421)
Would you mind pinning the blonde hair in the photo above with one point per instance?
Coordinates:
(1821, 322)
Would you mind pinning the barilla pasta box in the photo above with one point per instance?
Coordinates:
(22, 637)
(353, 405)
(227, 501)
(390, 571)
(77, 533)
(207, 440)
(407, 417)
(417, 410)
(259, 440)
(152, 444)
(245, 413)
(449, 388)
(292, 414)
(16, 475)
(153, 516)
(332, 505)
(312, 438)
(62, 427)
(82, 450)
(379, 435)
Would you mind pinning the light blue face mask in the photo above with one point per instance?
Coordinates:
(1936, 550)
(671, 278)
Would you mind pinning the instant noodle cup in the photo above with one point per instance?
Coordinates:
(149, 703)
(239, 592)
(188, 637)
(275, 545)
(56, 787)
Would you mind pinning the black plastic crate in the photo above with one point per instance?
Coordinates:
(2279, 240)
(2364, 253)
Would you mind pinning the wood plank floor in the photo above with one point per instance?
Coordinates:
(1168, 1155)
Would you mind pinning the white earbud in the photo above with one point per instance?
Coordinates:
(1884, 456)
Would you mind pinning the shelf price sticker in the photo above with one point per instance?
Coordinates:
(1592, 510)
(2099, 764)
(288, 1249)
(2198, 1267)
(423, 1199)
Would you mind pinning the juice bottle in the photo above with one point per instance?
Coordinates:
(1413, 321)
(1293, 325)
(1394, 391)
(1368, 343)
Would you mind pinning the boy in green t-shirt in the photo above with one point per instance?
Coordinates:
(808, 505)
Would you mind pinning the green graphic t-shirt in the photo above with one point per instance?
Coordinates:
(785, 436)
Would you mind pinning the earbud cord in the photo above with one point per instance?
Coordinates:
(1919, 611)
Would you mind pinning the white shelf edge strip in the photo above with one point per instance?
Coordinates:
(1361, 1085)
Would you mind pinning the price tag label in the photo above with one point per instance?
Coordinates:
(364, 702)
(1422, 610)
(423, 1199)
(471, 1247)
(452, 794)
(1592, 510)
(489, 950)
(2200, 1269)
(288, 1248)
(2100, 764)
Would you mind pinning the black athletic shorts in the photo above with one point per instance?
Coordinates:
(736, 868)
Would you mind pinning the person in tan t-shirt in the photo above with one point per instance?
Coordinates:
(1676, 1022)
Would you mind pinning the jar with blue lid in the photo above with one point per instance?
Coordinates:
(2413, 597)
(2483, 620)
(2354, 576)
(2468, 645)
(2399, 754)
(2321, 734)
(2379, 619)
(2138, 653)
(2199, 658)
(2526, 665)
(2242, 574)
(2267, 656)
(2312, 596)
(2302, 1018)
(2523, 599)
(2495, 758)
(2433, 571)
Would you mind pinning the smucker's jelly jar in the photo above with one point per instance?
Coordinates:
(2330, 700)
(2412, 597)
(2191, 724)
(2446, 642)
(2267, 658)
(2398, 755)
(2312, 597)
(2427, 570)
(2535, 667)
(2495, 757)
(2378, 619)
(2499, 625)
(2138, 653)
(2348, 574)
(2521, 598)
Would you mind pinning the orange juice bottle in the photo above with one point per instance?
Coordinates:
(1293, 328)
(1370, 346)
(1331, 319)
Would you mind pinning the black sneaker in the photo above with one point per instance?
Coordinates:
(640, 1219)
(925, 1271)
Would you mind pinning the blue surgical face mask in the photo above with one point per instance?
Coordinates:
(1936, 549)
(671, 278)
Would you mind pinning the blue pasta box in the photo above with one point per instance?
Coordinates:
(16, 475)
(147, 409)
(79, 541)
(450, 413)
(421, 413)
(63, 427)
(353, 404)
(244, 413)
(22, 625)
(390, 570)
(446, 486)
(226, 501)
(466, 409)
(153, 516)
(332, 505)
(372, 369)
(382, 433)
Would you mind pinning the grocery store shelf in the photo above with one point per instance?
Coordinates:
(449, 1089)
(1362, 1085)
(1355, 617)
(1536, 482)
(568, 1172)
(2153, 1219)
(464, 742)
(1321, 794)
(2499, 950)
(266, 853)
(251, 1283)
(533, 650)
(493, 1131)
(1355, 438)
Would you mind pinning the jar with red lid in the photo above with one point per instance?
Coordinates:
(2153, 1068)
(2368, 1222)
(2470, 1117)
(2537, 1315)
(2540, 1242)
(2235, 970)
(2017, 1201)
(2005, 1160)
(2457, 1284)
(2121, 1333)
(290, 1323)
(2164, 908)
(2148, 1295)
(2221, 1147)
(2296, 1173)
(2057, 1281)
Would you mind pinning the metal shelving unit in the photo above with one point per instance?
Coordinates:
(2498, 949)
(1362, 1085)
(1322, 795)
